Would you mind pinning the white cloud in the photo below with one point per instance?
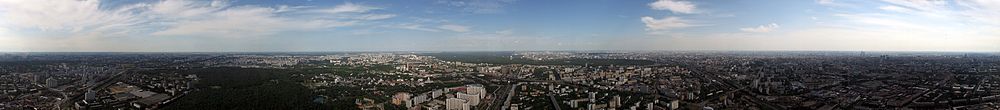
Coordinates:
(176, 18)
(882, 22)
(500, 41)
(825, 2)
(896, 9)
(456, 28)
(251, 21)
(675, 6)
(7, 41)
(414, 27)
(90, 25)
(821, 39)
(286, 8)
(478, 6)
(375, 16)
(185, 9)
(911, 25)
(505, 32)
(761, 28)
(986, 11)
(667, 23)
(245, 21)
(71, 16)
(897, 25)
(923, 5)
(348, 8)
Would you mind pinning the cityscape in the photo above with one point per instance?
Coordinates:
(499, 54)
(535, 80)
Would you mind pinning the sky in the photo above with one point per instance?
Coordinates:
(497, 25)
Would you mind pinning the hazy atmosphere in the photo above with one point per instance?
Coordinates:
(497, 25)
(500, 54)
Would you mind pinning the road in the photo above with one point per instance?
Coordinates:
(499, 94)
(728, 85)
(114, 78)
(555, 103)
(510, 95)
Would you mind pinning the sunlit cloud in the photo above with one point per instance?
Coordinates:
(676, 6)
(456, 28)
(666, 23)
(761, 28)
(478, 6)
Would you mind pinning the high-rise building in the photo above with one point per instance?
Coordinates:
(417, 100)
(51, 82)
(437, 93)
(456, 104)
(39, 79)
(472, 99)
(90, 96)
(593, 97)
(675, 104)
(650, 106)
(615, 101)
(476, 89)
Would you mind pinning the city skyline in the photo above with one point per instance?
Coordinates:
(498, 25)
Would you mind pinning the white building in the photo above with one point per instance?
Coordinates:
(456, 104)
(51, 82)
(472, 99)
(476, 89)
(437, 93)
(416, 100)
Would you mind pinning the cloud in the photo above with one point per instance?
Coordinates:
(252, 21)
(177, 18)
(504, 41)
(478, 6)
(907, 25)
(923, 5)
(985, 11)
(882, 22)
(761, 28)
(819, 39)
(456, 28)
(7, 42)
(167, 25)
(675, 6)
(375, 16)
(896, 9)
(286, 8)
(666, 23)
(245, 22)
(70, 16)
(825, 2)
(178, 9)
(414, 27)
(893, 25)
(348, 8)
(505, 32)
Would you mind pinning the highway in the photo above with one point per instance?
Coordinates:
(114, 78)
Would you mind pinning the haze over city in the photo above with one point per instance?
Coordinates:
(500, 54)
(497, 25)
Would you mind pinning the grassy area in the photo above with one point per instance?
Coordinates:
(510, 58)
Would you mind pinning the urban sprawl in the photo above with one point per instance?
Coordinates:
(534, 80)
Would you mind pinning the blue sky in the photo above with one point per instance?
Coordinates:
(498, 25)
